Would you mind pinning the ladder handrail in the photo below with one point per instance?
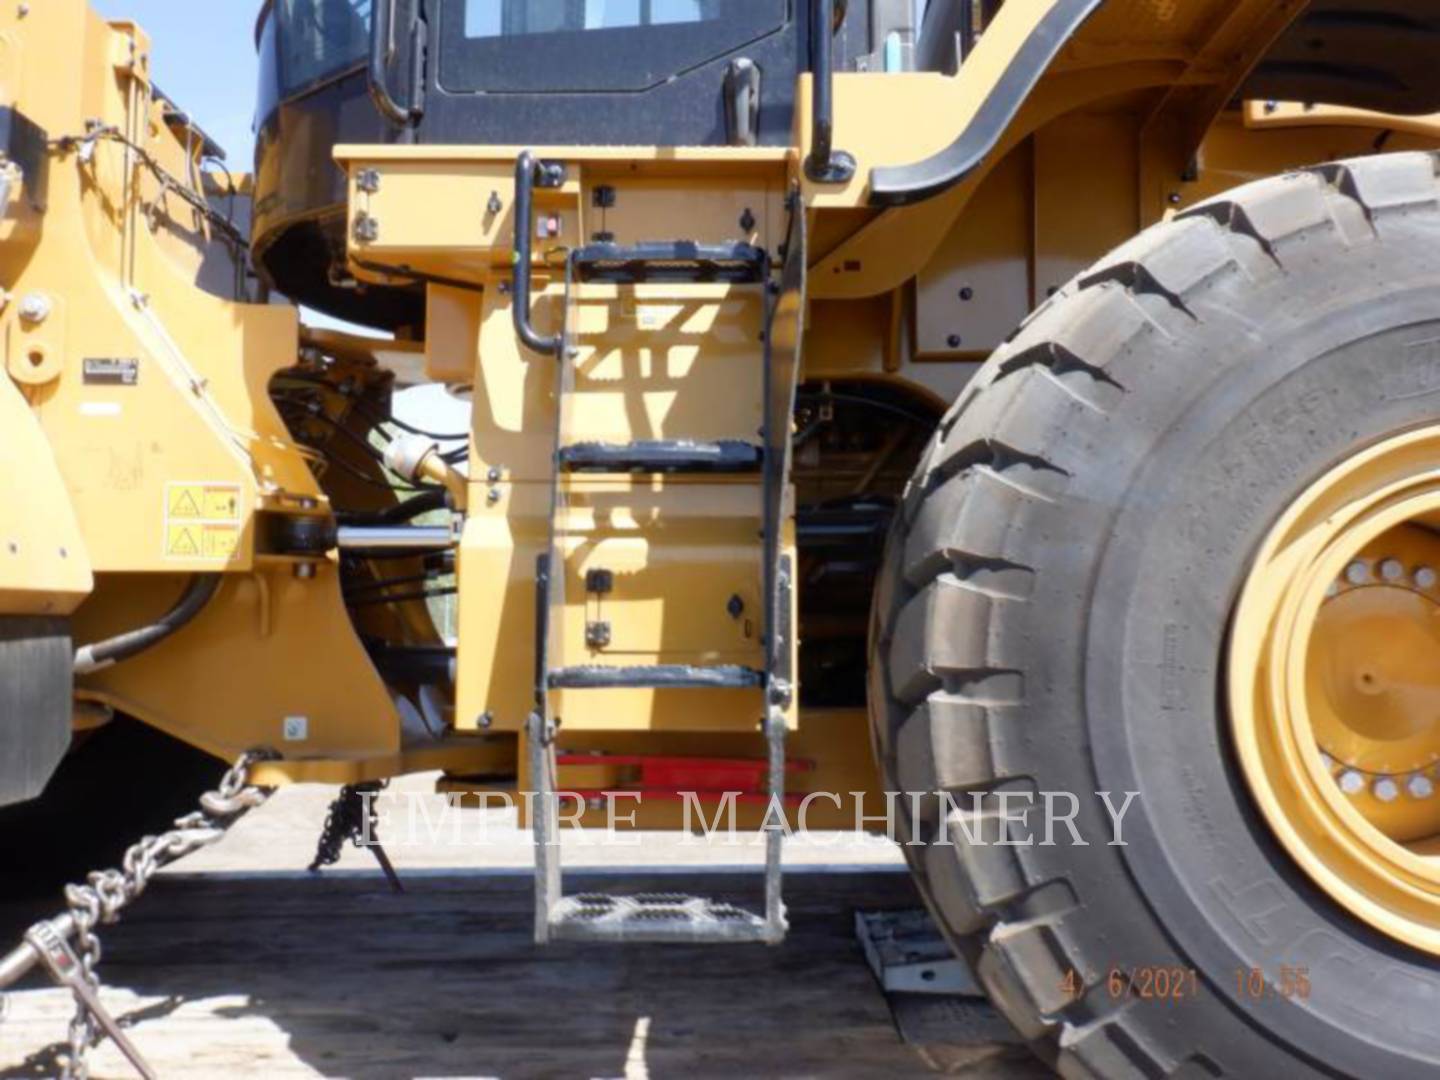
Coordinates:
(825, 165)
(528, 173)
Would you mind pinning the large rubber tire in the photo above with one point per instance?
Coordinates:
(118, 784)
(1053, 615)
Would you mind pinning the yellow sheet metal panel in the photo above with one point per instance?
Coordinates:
(1268, 115)
(452, 334)
(44, 565)
(273, 660)
(145, 386)
(440, 211)
(976, 289)
(1086, 193)
(681, 553)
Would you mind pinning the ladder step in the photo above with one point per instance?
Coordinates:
(673, 261)
(658, 917)
(656, 677)
(730, 456)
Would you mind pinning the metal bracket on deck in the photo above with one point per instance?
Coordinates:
(908, 955)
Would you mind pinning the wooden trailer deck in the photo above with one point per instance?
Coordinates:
(241, 965)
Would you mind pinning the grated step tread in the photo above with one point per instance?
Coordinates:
(657, 917)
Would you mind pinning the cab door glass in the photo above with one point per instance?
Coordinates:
(579, 46)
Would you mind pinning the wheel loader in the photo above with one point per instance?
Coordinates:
(948, 404)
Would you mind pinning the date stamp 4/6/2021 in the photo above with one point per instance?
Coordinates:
(1175, 984)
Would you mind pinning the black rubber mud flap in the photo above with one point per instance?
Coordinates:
(37, 662)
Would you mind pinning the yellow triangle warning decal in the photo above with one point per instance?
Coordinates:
(183, 503)
(183, 543)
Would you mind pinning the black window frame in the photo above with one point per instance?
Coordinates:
(269, 34)
(527, 63)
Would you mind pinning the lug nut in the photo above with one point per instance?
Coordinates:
(1391, 570)
(1358, 572)
(1420, 787)
(1351, 782)
(1386, 790)
(1425, 577)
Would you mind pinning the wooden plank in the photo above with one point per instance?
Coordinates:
(284, 974)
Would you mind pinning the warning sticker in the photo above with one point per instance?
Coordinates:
(183, 542)
(202, 521)
(203, 502)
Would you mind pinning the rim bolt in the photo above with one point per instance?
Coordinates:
(1420, 787)
(1351, 782)
(1327, 761)
(1358, 572)
(1386, 790)
(1333, 590)
(1391, 570)
(1425, 577)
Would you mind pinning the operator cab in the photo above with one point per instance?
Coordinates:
(514, 73)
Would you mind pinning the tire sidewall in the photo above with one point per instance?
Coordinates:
(1166, 579)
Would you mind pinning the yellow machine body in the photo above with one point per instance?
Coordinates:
(140, 434)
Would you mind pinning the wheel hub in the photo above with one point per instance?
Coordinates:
(1373, 684)
(1334, 685)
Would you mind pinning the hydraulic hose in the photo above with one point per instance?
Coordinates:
(424, 503)
(103, 654)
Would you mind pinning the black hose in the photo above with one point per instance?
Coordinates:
(102, 654)
(424, 503)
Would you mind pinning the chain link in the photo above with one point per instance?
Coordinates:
(353, 817)
(107, 893)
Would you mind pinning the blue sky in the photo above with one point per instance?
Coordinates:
(204, 58)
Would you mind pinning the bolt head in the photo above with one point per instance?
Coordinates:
(35, 307)
(366, 229)
(1391, 570)
(1420, 787)
(1425, 577)
(492, 496)
(1386, 790)
(1351, 782)
(1358, 572)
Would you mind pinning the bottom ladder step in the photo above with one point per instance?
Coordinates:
(658, 917)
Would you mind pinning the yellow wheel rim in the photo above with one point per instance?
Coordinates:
(1334, 685)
